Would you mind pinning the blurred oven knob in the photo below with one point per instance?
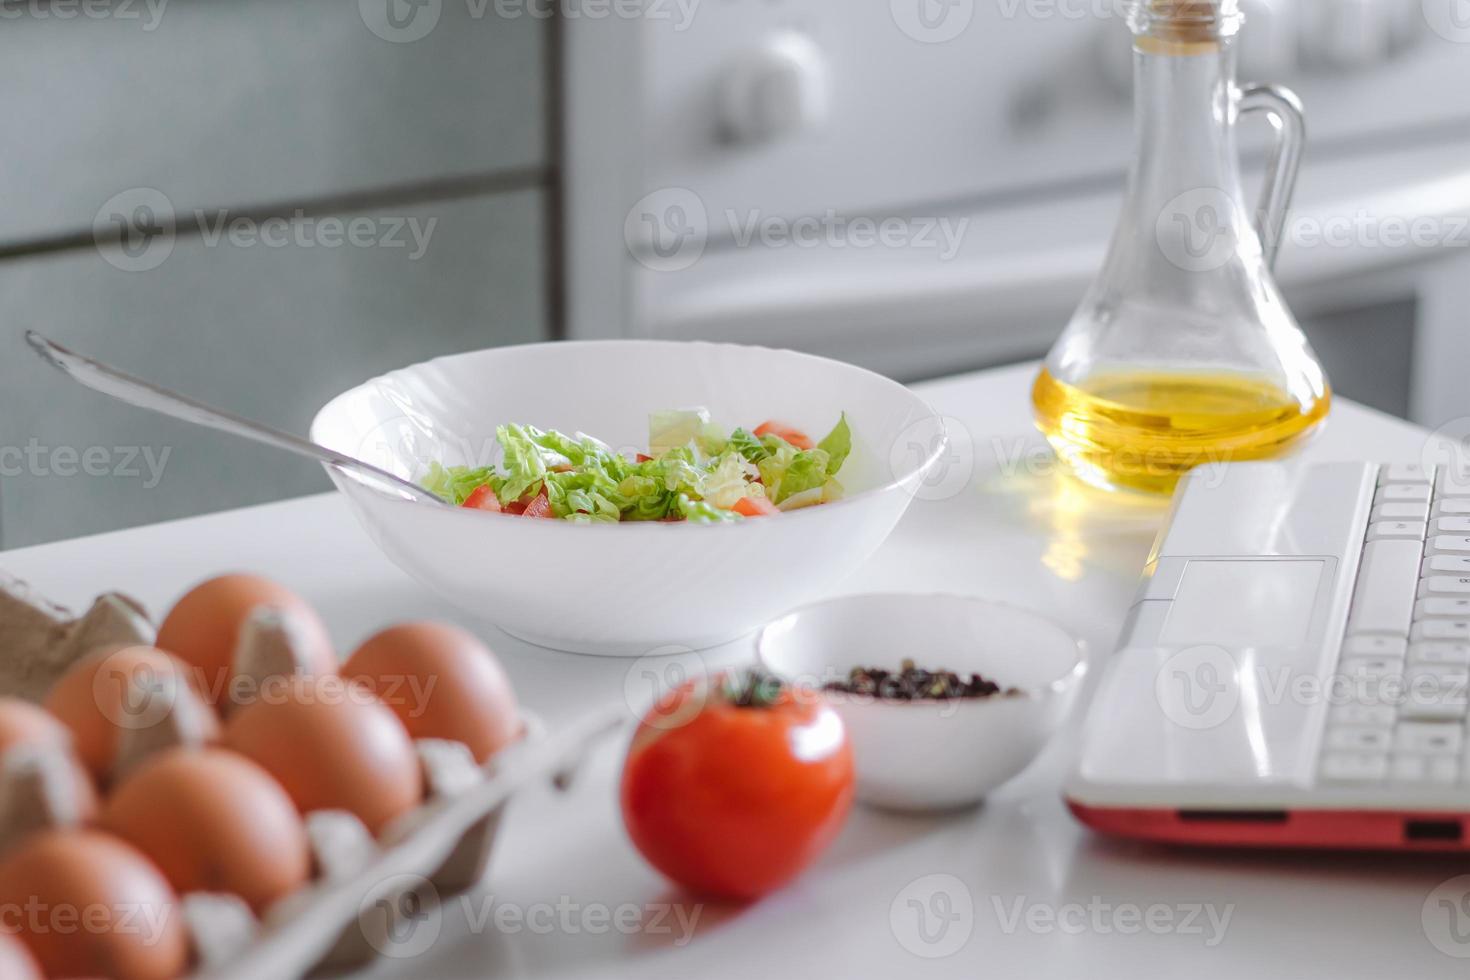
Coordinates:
(775, 91)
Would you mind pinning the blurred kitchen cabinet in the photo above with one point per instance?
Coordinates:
(270, 331)
(290, 198)
(256, 103)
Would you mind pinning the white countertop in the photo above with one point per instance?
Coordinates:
(1024, 892)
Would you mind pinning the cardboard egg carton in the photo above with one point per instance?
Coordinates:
(363, 888)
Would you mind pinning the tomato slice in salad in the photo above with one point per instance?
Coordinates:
(790, 433)
(755, 507)
(482, 498)
(539, 507)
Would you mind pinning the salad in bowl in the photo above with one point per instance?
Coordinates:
(693, 470)
(667, 527)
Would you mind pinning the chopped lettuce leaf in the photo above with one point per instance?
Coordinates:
(748, 446)
(456, 483)
(727, 482)
(837, 444)
(700, 512)
(675, 429)
(521, 457)
(790, 471)
(807, 498)
(696, 472)
(711, 441)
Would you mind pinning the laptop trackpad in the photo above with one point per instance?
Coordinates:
(1244, 603)
(1208, 687)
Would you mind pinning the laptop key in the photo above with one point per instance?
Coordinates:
(1442, 608)
(1441, 629)
(1402, 510)
(1406, 473)
(1372, 667)
(1360, 739)
(1451, 507)
(1444, 585)
(1444, 769)
(1363, 715)
(1409, 769)
(1354, 767)
(1375, 646)
(1429, 738)
(1409, 530)
(1434, 692)
(1448, 544)
(1452, 525)
(1383, 600)
(1450, 564)
(1440, 652)
(1425, 769)
(1395, 492)
(1452, 484)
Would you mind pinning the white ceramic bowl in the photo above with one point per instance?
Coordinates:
(932, 755)
(633, 588)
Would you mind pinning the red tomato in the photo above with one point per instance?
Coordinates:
(642, 458)
(735, 799)
(790, 433)
(540, 507)
(482, 498)
(755, 507)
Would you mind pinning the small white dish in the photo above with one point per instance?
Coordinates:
(932, 755)
(626, 589)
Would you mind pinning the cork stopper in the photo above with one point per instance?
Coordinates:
(1183, 26)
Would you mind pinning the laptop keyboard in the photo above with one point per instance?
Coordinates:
(1401, 693)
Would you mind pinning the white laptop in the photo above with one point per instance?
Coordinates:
(1294, 669)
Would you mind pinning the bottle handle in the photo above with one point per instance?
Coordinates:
(1284, 110)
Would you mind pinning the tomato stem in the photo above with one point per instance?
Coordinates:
(753, 688)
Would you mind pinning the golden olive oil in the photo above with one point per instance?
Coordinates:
(1146, 429)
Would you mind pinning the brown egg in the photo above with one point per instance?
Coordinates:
(16, 962)
(88, 905)
(441, 682)
(23, 723)
(213, 821)
(97, 700)
(203, 627)
(332, 746)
